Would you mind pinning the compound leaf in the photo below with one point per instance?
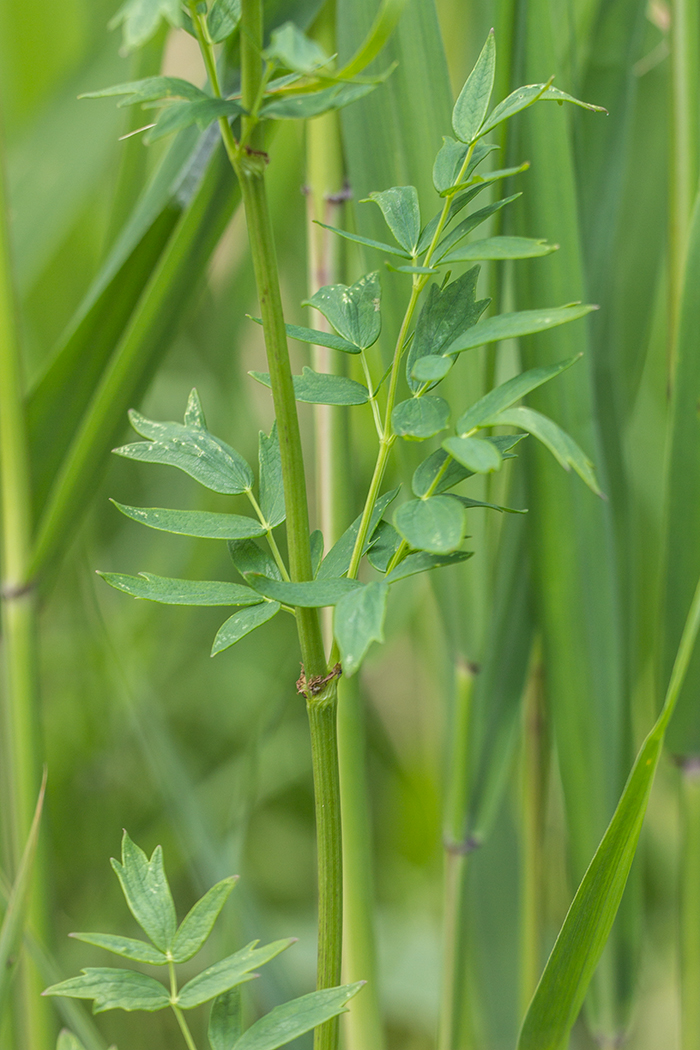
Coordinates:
(150, 89)
(247, 556)
(421, 561)
(145, 887)
(498, 248)
(353, 311)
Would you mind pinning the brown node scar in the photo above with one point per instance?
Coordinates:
(257, 153)
(315, 685)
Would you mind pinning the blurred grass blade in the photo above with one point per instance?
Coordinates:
(581, 940)
(147, 336)
(62, 393)
(682, 555)
(13, 921)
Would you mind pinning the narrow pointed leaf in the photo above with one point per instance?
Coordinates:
(313, 594)
(145, 887)
(225, 1022)
(150, 90)
(508, 393)
(476, 454)
(271, 487)
(168, 591)
(378, 34)
(359, 621)
(181, 115)
(353, 311)
(322, 388)
(451, 157)
(293, 1019)
(127, 947)
(570, 967)
(436, 524)
(421, 561)
(471, 223)
(369, 243)
(426, 472)
(114, 989)
(12, 926)
(401, 213)
(316, 545)
(194, 522)
(242, 623)
(305, 106)
(314, 335)
(516, 102)
(419, 418)
(472, 105)
(385, 544)
(560, 444)
(199, 921)
(512, 326)
(228, 973)
(497, 248)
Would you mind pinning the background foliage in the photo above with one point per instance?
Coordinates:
(211, 757)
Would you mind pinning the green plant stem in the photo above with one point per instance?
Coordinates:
(184, 1028)
(454, 1008)
(690, 904)
(324, 750)
(535, 768)
(249, 163)
(21, 733)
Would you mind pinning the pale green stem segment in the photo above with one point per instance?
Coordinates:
(535, 769)
(689, 923)
(455, 1029)
(21, 751)
(685, 154)
(180, 1017)
(388, 437)
(248, 160)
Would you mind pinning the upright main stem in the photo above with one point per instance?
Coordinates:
(249, 160)
(21, 751)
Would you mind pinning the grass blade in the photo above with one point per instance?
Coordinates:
(13, 922)
(581, 940)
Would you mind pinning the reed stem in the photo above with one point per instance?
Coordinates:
(21, 751)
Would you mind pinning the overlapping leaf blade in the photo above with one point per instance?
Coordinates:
(228, 973)
(323, 388)
(199, 921)
(353, 311)
(202, 523)
(169, 591)
(293, 1019)
(359, 621)
(242, 623)
(114, 989)
(127, 947)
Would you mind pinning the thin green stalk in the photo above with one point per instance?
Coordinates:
(324, 750)
(22, 747)
(249, 161)
(180, 1017)
(690, 905)
(454, 1007)
(535, 768)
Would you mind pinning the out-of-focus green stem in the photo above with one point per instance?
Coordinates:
(21, 750)
(685, 152)
(454, 1033)
(535, 767)
(690, 905)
